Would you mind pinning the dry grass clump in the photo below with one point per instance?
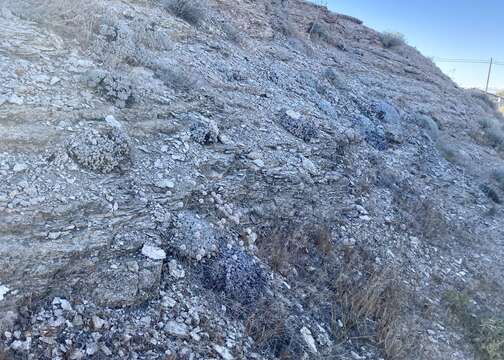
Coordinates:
(371, 307)
(483, 98)
(192, 11)
(492, 133)
(284, 26)
(320, 31)
(498, 176)
(428, 124)
(290, 245)
(450, 152)
(392, 39)
(74, 19)
(272, 330)
(486, 333)
(423, 217)
(3, 355)
(176, 77)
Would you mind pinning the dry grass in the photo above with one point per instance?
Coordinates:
(498, 176)
(372, 308)
(485, 333)
(492, 133)
(392, 39)
(422, 215)
(192, 11)
(177, 77)
(269, 328)
(73, 19)
(319, 30)
(484, 99)
(290, 246)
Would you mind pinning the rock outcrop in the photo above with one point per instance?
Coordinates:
(266, 180)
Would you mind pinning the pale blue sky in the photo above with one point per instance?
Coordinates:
(462, 29)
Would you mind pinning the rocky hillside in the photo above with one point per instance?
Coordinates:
(240, 179)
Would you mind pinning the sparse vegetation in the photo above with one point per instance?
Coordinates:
(492, 132)
(288, 245)
(429, 125)
(319, 30)
(176, 77)
(192, 11)
(231, 32)
(392, 39)
(334, 78)
(498, 176)
(74, 19)
(484, 99)
(285, 27)
(370, 304)
(485, 333)
(449, 152)
(269, 326)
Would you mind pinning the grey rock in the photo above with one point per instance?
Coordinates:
(193, 237)
(153, 252)
(295, 124)
(223, 352)
(177, 329)
(205, 131)
(16, 100)
(309, 340)
(372, 133)
(19, 167)
(111, 120)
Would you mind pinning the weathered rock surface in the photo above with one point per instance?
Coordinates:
(225, 187)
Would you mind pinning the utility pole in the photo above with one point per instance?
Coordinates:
(489, 73)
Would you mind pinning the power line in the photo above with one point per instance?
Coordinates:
(492, 62)
(467, 61)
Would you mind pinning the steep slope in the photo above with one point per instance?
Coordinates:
(247, 180)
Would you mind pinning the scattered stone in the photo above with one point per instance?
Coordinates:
(54, 235)
(175, 269)
(19, 167)
(3, 291)
(223, 352)
(295, 124)
(193, 237)
(54, 80)
(98, 322)
(16, 100)
(258, 163)
(357, 356)
(153, 252)
(111, 120)
(176, 329)
(165, 184)
(19, 345)
(308, 338)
